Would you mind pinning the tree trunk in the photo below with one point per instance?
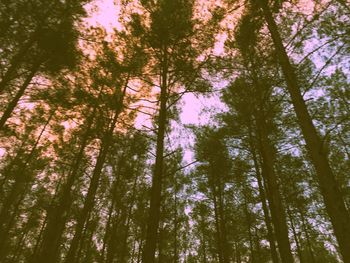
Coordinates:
(108, 227)
(295, 234)
(58, 214)
(13, 103)
(156, 189)
(217, 226)
(331, 193)
(94, 183)
(124, 247)
(112, 240)
(203, 243)
(107, 231)
(176, 258)
(222, 221)
(15, 63)
(262, 195)
(251, 245)
(17, 194)
(238, 253)
(276, 206)
(305, 229)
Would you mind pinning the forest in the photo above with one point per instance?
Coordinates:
(168, 131)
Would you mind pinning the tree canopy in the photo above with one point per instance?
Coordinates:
(182, 131)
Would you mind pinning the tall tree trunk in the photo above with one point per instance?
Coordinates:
(124, 247)
(238, 253)
(113, 240)
(262, 195)
(249, 228)
(176, 256)
(16, 60)
(58, 213)
(94, 183)
(295, 234)
(38, 241)
(156, 189)
(276, 206)
(13, 103)
(107, 231)
(7, 171)
(17, 194)
(217, 226)
(222, 221)
(267, 153)
(203, 242)
(306, 231)
(139, 252)
(258, 254)
(331, 193)
(109, 223)
(88, 248)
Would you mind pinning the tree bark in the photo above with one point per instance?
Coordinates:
(113, 240)
(222, 221)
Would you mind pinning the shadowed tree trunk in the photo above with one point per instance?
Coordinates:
(17, 194)
(249, 228)
(331, 193)
(156, 189)
(13, 103)
(95, 179)
(218, 230)
(275, 201)
(262, 195)
(307, 236)
(123, 255)
(57, 215)
(15, 63)
(295, 234)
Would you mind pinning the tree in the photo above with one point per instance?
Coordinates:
(48, 43)
(329, 187)
(169, 39)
